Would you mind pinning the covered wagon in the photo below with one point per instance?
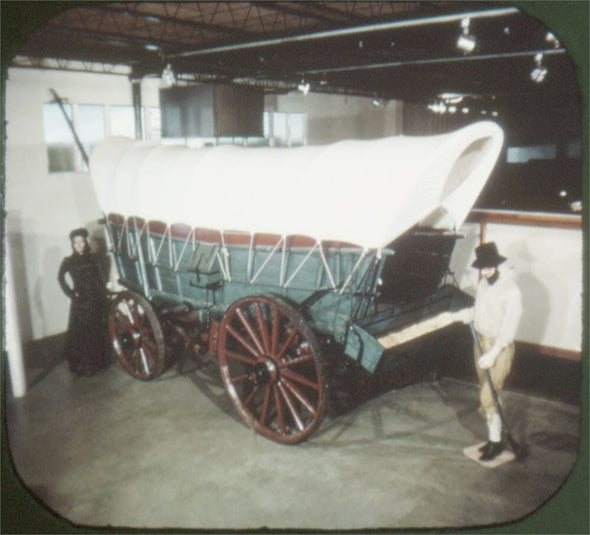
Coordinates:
(265, 256)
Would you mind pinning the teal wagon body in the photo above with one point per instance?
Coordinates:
(363, 301)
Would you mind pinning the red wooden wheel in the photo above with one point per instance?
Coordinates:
(270, 365)
(136, 336)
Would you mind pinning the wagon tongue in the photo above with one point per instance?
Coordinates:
(367, 339)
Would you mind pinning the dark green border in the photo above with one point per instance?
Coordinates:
(566, 512)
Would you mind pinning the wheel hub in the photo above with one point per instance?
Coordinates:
(263, 372)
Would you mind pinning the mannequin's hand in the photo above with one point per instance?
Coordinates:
(486, 361)
(467, 316)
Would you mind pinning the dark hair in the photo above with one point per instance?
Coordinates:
(79, 232)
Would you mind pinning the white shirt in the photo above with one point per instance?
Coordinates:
(497, 310)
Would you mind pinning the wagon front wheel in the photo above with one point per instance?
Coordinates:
(136, 335)
(270, 365)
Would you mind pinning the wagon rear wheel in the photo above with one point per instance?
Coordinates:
(136, 336)
(270, 364)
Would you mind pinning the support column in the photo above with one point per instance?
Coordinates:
(16, 367)
(136, 92)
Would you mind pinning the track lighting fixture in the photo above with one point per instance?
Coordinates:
(466, 41)
(168, 75)
(303, 87)
(539, 72)
(552, 40)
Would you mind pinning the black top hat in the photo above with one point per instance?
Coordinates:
(487, 256)
(79, 232)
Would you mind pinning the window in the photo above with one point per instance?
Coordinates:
(92, 123)
(285, 129)
(58, 136)
(153, 123)
(122, 121)
(535, 152)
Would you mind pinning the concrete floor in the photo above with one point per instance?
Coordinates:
(171, 453)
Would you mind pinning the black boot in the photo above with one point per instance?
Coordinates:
(491, 452)
(485, 446)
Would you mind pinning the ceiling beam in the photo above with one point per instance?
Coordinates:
(310, 10)
(166, 19)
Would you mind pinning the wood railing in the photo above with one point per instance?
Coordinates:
(531, 219)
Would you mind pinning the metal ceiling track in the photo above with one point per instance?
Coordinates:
(378, 27)
(475, 57)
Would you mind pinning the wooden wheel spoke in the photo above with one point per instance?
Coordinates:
(132, 312)
(297, 393)
(239, 379)
(239, 338)
(262, 328)
(290, 406)
(123, 322)
(251, 396)
(279, 408)
(300, 379)
(242, 358)
(149, 344)
(287, 344)
(296, 361)
(138, 361)
(275, 330)
(250, 330)
(265, 405)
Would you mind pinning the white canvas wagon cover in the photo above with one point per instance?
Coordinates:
(362, 192)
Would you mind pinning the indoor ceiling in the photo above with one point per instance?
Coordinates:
(391, 50)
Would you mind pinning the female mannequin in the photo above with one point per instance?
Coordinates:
(86, 348)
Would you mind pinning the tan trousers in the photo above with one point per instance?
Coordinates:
(498, 373)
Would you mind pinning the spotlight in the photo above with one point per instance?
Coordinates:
(438, 107)
(552, 40)
(303, 87)
(539, 72)
(451, 98)
(466, 41)
(168, 75)
(376, 102)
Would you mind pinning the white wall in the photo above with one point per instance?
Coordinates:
(547, 265)
(42, 208)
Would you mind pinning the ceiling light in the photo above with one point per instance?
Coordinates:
(466, 41)
(303, 87)
(539, 72)
(451, 98)
(376, 102)
(552, 40)
(152, 47)
(168, 75)
(465, 110)
(438, 107)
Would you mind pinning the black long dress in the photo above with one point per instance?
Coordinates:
(86, 347)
